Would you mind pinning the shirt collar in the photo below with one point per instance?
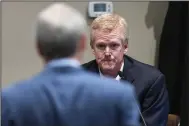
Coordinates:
(118, 77)
(63, 62)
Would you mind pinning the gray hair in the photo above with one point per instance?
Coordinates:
(59, 28)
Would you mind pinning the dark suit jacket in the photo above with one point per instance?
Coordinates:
(150, 89)
(62, 96)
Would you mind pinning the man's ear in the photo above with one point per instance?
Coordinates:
(125, 48)
(82, 43)
(93, 51)
(40, 53)
(37, 46)
(92, 48)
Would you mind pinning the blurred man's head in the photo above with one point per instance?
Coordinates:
(109, 41)
(60, 32)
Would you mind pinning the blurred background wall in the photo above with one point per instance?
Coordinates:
(20, 60)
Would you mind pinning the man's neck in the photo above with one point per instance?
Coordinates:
(74, 57)
(110, 73)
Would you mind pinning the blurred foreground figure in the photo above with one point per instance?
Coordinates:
(63, 94)
(109, 43)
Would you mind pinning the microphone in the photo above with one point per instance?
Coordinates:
(120, 73)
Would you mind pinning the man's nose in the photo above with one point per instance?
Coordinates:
(107, 51)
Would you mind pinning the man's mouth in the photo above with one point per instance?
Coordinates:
(107, 60)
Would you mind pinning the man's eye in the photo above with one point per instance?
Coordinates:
(100, 46)
(113, 46)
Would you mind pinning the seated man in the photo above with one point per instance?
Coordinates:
(109, 43)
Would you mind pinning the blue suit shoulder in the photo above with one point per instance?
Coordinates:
(83, 88)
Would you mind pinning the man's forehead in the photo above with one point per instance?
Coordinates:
(114, 34)
(102, 37)
(108, 31)
(107, 40)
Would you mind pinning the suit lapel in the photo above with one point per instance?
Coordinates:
(128, 65)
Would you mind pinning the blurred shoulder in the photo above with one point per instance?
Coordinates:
(144, 73)
(18, 89)
(89, 64)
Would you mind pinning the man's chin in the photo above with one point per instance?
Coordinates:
(107, 68)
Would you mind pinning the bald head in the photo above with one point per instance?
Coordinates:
(59, 31)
